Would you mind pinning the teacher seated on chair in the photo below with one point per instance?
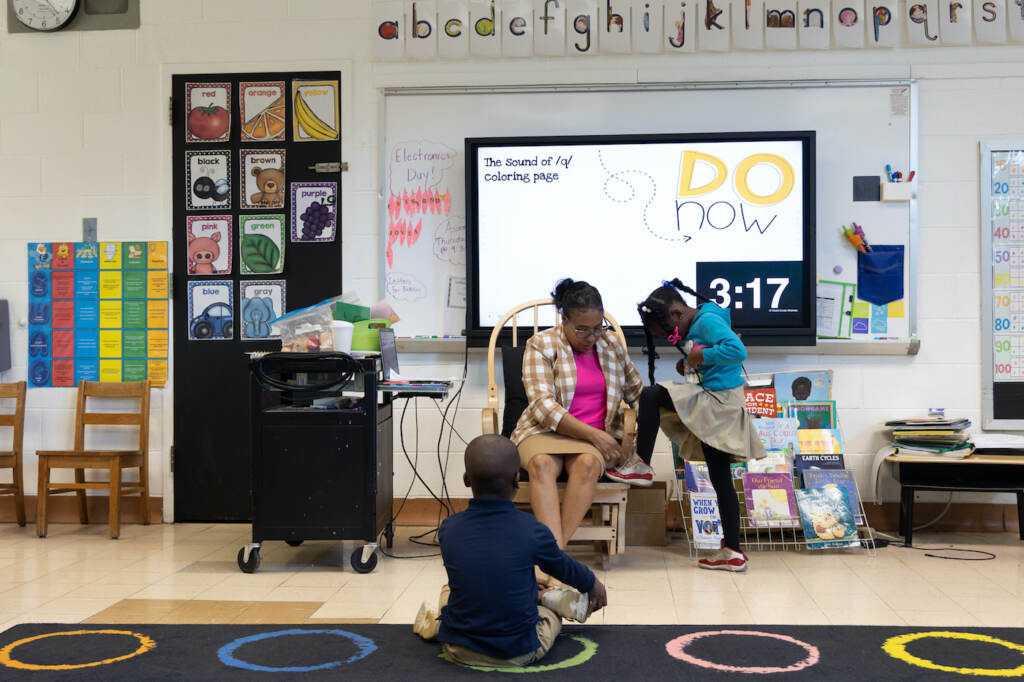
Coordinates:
(576, 378)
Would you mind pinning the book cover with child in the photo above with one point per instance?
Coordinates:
(827, 518)
(707, 524)
(800, 386)
(770, 500)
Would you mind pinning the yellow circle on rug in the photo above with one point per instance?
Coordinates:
(145, 644)
(897, 648)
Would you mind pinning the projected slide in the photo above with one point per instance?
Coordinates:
(725, 217)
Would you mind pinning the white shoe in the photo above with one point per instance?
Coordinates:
(725, 559)
(426, 624)
(634, 472)
(567, 603)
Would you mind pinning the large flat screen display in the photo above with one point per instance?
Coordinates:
(731, 215)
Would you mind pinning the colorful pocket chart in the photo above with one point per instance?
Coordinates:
(98, 311)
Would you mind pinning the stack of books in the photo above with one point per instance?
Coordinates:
(931, 437)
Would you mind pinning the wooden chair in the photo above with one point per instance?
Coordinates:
(607, 519)
(114, 461)
(11, 459)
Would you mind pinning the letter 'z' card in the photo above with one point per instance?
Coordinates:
(314, 211)
(207, 112)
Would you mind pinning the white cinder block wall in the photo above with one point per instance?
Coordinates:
(84, 132)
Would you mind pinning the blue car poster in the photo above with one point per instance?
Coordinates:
(211, 311)
(98, 311)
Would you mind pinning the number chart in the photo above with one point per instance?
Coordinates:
(1002, 268)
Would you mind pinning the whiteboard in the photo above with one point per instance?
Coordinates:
(860, 128)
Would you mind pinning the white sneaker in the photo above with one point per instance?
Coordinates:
(725, 559)
(634, 472)
(567, 603)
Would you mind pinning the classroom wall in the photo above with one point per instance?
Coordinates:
(84, 132)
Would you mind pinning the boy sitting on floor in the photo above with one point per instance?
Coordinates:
(490, 611)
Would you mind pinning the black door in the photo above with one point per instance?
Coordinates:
(218, 147)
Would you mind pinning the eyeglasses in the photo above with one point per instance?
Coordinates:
(584, 332)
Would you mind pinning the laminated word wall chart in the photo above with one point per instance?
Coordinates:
(98, 311)
(1002, 283)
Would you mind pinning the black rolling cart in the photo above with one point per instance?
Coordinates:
(321, 453)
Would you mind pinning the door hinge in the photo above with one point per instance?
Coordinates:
(172, 459)
(329, 167)
(170, 111)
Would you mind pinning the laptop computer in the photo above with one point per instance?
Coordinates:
(389, 363)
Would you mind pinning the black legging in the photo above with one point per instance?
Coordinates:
(648, 421)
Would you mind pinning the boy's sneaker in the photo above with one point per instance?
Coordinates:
(426, 624)
(725, 559)
(634, 472)
(567, 603)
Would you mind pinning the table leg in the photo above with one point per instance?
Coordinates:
(1020, 513)
(907, 502)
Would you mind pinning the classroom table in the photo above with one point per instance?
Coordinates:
(977, 473)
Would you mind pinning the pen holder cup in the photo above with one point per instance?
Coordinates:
(897, 191)
(342, 331)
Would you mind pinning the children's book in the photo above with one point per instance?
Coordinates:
(707, 523)
(761, 402)
(770, 500)
(779, 434)
(819, 414)
(820, 441)
(776, 462)
(737, 469)
(842, 478)
(697, 478)
(827, 518)
(811, 462)
(800, 386)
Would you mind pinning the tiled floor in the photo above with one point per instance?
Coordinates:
(187, 574)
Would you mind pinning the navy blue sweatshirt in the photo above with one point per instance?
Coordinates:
(489, 551)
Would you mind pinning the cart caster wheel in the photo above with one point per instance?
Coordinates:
(252, 564)
(356, 559)
(294, 543)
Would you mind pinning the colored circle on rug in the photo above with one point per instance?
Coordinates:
(226, 653)
(897, 648)
(677, 649)
(585, 654)
(145, 644)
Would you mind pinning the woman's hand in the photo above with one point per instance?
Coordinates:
(695, 358)
(606, 445)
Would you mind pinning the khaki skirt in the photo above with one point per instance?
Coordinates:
(718, 418)
(554, 444)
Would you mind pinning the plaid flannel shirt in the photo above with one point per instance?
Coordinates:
(549, 376)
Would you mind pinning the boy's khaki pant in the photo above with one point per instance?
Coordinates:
(548, 627)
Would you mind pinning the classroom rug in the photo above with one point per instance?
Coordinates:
(40, 651)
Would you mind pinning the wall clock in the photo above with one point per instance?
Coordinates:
(45, 15)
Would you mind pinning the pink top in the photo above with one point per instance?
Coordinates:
(588, 402)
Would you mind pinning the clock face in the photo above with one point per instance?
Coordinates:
(44, 15)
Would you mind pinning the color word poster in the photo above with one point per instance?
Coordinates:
(98, 311)
(1007, 184)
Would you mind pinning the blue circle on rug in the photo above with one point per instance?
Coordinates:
(226, 653)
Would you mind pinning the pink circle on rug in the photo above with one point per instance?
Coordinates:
(677, 649)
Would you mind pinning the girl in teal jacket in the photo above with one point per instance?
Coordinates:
(711, 410)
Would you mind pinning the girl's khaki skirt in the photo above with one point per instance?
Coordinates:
(718, 418)
(554, 444)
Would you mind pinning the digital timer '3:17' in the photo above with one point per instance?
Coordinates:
(729, 295)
